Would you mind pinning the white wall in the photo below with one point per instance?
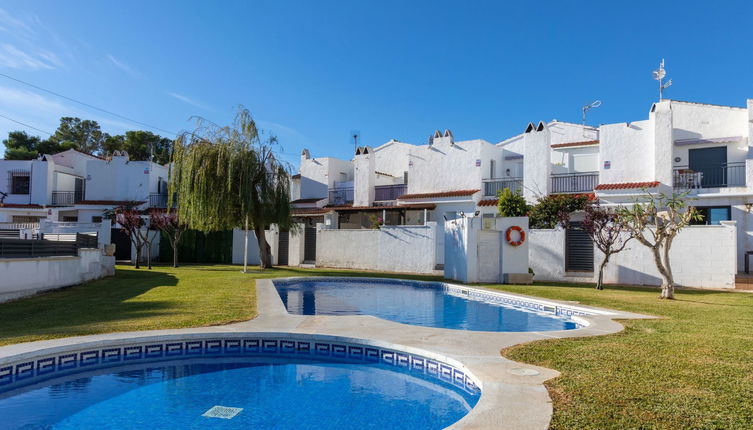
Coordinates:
(27, 276)
(122, 180)
(701, 256)
(253, 246)
(391, 248)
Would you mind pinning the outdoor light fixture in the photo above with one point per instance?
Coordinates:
(462, 214)
(476, 213)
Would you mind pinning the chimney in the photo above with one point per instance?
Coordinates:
(364, 177)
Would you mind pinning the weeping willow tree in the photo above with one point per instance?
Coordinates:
(228, 177)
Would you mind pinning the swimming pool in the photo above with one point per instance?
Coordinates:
(429, 304)
(312, 384)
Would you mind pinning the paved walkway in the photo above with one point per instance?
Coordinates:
(513, 394)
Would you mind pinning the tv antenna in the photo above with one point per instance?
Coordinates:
(659, 75)
(355, 137)
(588, 107)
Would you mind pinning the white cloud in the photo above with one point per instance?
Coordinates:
(14, 58)
(124, 67)
(189, 101)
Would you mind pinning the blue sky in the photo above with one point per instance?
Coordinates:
(313, 71)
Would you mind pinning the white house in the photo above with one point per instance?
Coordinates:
(71, 186)
(689, 147)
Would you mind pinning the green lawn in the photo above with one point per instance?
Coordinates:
(161, 298)
(691, 369)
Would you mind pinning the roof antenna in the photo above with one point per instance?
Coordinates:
(659, 75)
(356, 136)
(588, 107)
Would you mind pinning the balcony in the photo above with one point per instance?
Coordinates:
(159, 200)
(727, 175)
(582, 182)
(389, 192)
(340, 196)
(66, 198)
(492, 186)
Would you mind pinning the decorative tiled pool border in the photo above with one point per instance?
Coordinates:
(79, 358)
(521, 303)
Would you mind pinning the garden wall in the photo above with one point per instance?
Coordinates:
(27, 276)
(701, 256)
(390, 248)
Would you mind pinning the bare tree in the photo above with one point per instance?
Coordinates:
(131, 222)
(608, 231)
(169, 224)
(655, 223)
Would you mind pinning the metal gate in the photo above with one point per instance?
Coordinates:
(282, 248)
(309, 247)
(579, 250)
(122, 244)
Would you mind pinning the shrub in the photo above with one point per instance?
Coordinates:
(549, 210)
(511, 203)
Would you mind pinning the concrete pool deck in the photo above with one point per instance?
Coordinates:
(513, 394)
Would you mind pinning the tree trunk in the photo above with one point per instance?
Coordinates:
(175, 252)
(148, 252)
(245, 246)
(265, 251)
(138, 257)
(667, 284)
(600, 281)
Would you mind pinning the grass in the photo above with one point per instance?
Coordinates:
(692, 369)
(161, 298)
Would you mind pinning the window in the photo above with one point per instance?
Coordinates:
(70, 219)
(492, 168)
(713, 214)
(97, 219)
(24, 219)
(20, 182)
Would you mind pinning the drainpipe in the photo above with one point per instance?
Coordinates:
(426, 213)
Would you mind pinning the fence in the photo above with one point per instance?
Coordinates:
(63, 245)
(727, 175)
(389, 192)
(491, 187)
(574, 182)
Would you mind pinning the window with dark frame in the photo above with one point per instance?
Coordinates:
(20, 182)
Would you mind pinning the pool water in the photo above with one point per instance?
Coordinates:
(271, 393)
(418, 303)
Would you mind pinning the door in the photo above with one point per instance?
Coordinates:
(78, 193)
(579, 250)
(489, 256)
(122, 244)
(711, 163)
(282, 248)
(309, 245)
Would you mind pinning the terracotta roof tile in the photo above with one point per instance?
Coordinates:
(626, 185)
(584, 143)
(110, 202)
(457, 193)
(487, 202)
(19, 206)
(310, 211)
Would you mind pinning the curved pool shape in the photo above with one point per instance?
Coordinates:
(257, 393)
(429, 304)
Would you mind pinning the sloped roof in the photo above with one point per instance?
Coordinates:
(455, 193)
(584, 143)
(487, 202)
(626, 185)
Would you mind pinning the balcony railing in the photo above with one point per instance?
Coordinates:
(727, 175)
(66, 198)
(492, 186)
(389, 192)
(584, 182)
(340, 196)
(159, 200)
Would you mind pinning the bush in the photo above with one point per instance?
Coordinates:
(511, 204)
(549, 210)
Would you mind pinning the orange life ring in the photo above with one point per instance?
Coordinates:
(520, 231)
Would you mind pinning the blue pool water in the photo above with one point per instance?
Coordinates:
(274, 393)
(417, 303)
